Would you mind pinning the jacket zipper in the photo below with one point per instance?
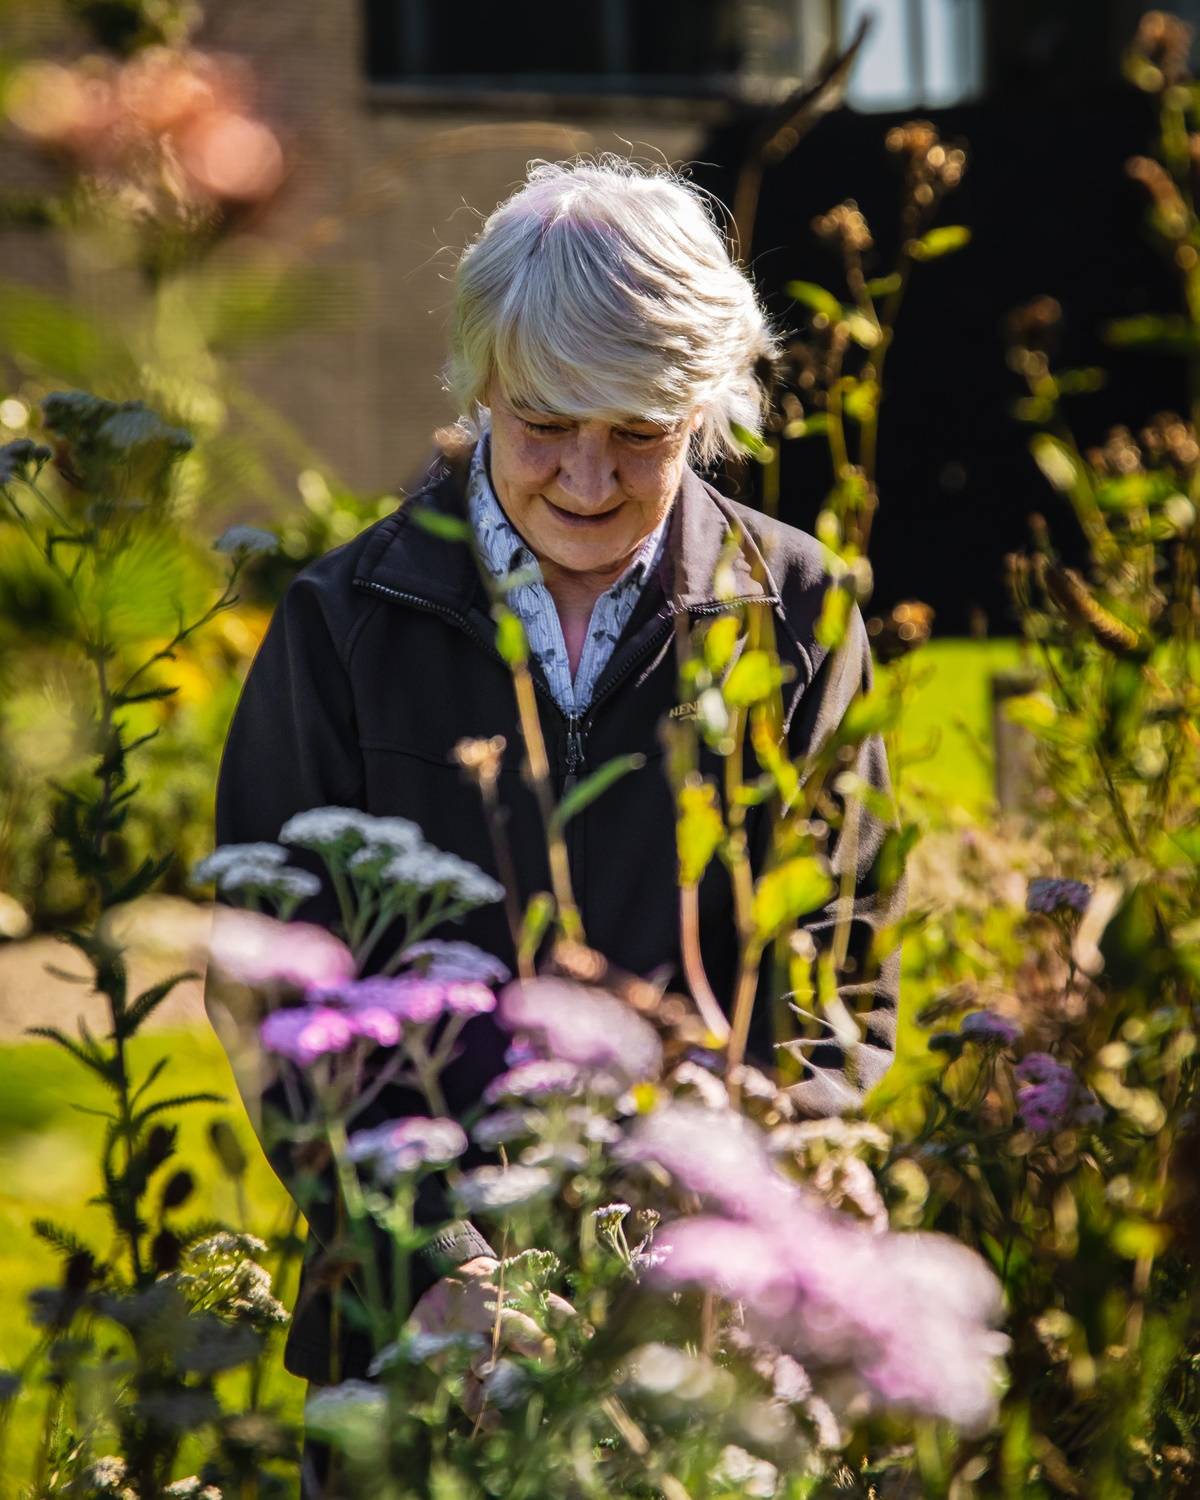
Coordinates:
(578, 725)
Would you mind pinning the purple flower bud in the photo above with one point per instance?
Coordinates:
(1048, 895)
(989, 1029)
(1051, 1097)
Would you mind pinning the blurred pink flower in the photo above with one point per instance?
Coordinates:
(719, 1154)
(908, 1314)
(581, 1025)
(534, 1080)
(402, 1146)
(254, 949)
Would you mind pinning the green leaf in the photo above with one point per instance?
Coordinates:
(539, 913)
(816, 297)
(449, 528)
(762, 452)
(719, 641)
(863, 330)
(1080, 382)
(754, 676)
(699, 829)
(871, 714)
(90, 1058)
(860, 399)
(1056, 461)
(1168, 335)
(510, 636)
(1137, 491)
(149, 1001)
(794, 889)
(176, 1101)
(942, 241)
(1133, 1238)
(592, 786)
(884, 286)
(834, 617)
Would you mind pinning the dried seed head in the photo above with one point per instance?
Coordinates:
(1165, 42)
(481, 758)
(846, 224)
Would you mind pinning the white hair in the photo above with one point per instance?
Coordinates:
(604, 289)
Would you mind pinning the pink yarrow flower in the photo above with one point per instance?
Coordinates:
(409, 998)
(584, 1026)
(306, 1034)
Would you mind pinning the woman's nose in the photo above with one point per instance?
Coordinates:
(588, 473)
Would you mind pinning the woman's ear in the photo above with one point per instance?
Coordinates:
(697, 419)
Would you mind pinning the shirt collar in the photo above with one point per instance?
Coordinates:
(505, 551)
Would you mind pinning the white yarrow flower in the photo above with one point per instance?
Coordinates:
(497, 1189)
(251, 540)
(214, 865)
(324, 828)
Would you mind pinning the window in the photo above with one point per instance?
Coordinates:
(682, 48)
(919, 53)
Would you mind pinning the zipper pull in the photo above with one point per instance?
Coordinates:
(574, 752)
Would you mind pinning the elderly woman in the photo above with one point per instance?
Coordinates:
(604, 348)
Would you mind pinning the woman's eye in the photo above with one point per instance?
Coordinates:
(540, 427)
(643, 437)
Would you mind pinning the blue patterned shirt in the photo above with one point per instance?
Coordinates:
(504, 551)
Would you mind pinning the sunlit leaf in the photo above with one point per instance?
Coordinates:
(790, 891)
(831, 625)
(816, 297)
(587, 790)
(510, 637)
(860, 399)
(942, 241)
(449, 528)
(761, 452)
(699, 830)
(719, 641)
(754, 676)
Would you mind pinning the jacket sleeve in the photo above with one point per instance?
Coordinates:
(293, 745)
(838, 1081)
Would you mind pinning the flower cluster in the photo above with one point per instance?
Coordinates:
(402, 1147)
(583, 1026)
(1050, 1097)
(905, 1318)
(172, 131)
(1050, 895)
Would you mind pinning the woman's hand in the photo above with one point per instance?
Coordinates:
(464, 1301)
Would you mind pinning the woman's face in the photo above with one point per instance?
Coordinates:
(584, 493)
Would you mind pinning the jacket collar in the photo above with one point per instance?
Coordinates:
(414, 560)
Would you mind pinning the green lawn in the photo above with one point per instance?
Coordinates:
(945, 739)
(47, 1147)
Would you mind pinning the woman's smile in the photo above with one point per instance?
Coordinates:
(573, 518)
